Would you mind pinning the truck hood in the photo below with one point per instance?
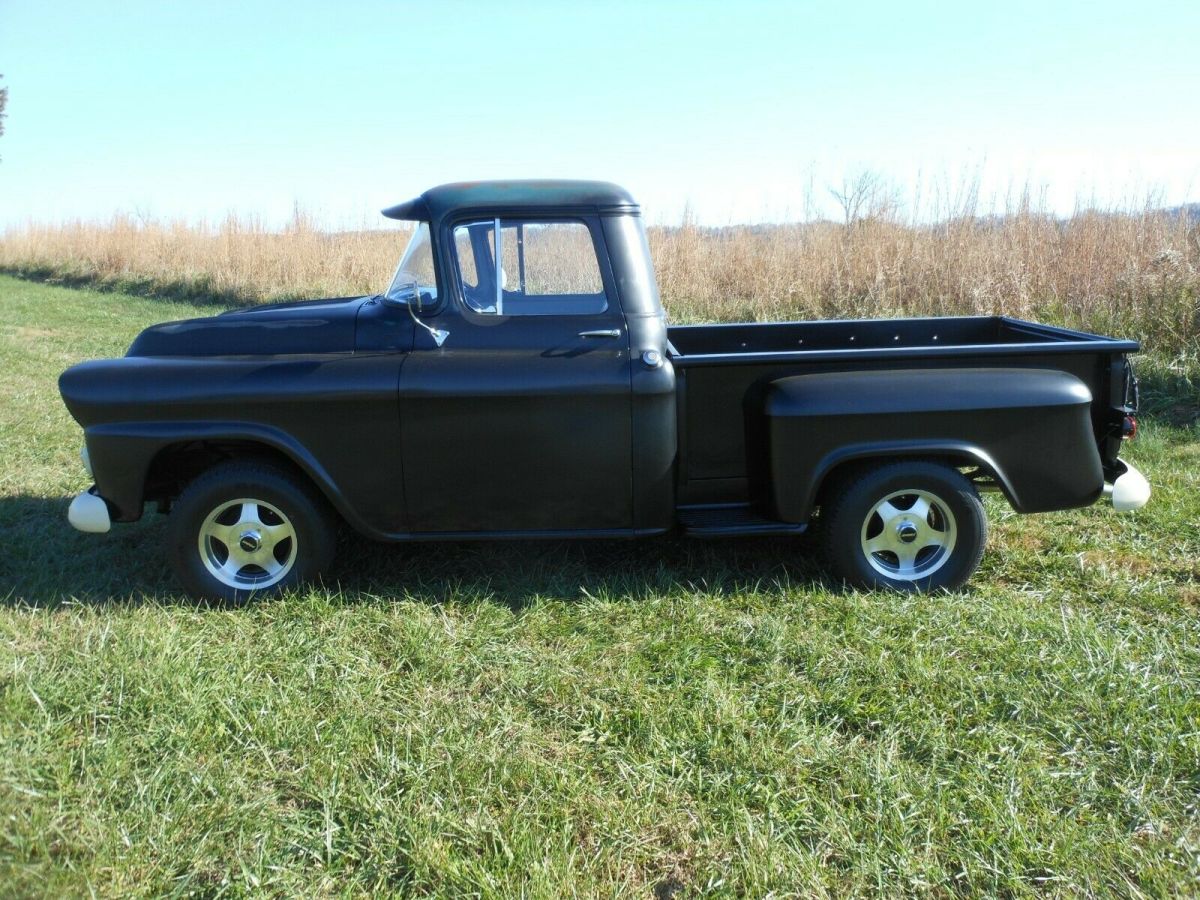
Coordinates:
(304, 326)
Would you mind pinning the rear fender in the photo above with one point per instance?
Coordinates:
(1030, 429)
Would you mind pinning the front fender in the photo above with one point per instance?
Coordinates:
(336, 416)
(121, 454)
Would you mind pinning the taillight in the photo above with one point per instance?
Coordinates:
(1128, 428)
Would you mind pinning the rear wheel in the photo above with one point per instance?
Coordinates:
(244, 529)
(909, 526)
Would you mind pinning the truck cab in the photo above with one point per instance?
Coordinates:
(528, 384)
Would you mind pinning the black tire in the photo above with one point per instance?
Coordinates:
(289, 530)
(867, 551)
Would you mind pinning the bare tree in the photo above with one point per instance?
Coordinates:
(3, 103)
(865, 196)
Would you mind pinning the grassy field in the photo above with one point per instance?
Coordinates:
(659, 719)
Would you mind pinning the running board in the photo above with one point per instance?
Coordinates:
(731, 520)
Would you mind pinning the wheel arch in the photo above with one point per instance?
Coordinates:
(842, 463)
(177, 464)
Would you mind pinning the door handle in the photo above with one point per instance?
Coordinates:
(601, 333)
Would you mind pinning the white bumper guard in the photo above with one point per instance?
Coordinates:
(89, 513)
(1130, 491)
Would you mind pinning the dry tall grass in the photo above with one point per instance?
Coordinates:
(238, 260)
(1131, 273)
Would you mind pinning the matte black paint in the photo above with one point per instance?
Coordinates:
(1021, 436)
(514, 196)
(520, 426)
(334, 415)
(320, 326)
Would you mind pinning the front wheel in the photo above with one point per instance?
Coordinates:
(246, 529)
(909, 526)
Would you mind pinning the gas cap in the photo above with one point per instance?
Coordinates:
(652, 358)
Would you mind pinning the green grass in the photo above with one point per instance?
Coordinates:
(665, 718)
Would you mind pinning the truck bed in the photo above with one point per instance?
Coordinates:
(693, 345)
(719, 366)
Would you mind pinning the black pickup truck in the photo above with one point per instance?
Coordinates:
(518, 379)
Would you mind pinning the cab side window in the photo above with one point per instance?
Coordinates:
(546, 268)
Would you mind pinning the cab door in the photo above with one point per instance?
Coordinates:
(520, 421)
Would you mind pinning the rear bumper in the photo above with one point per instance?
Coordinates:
(89, 513)
(1130, 490)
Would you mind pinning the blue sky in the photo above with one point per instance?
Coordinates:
(744, 111)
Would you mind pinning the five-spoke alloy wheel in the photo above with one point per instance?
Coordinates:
(249, 528)
(248, 544)
(914, 526)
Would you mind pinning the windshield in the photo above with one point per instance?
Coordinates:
(416, 267)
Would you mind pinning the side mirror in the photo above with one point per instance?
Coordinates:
(409, 294)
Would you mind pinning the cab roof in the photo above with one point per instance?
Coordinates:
(578, 196)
